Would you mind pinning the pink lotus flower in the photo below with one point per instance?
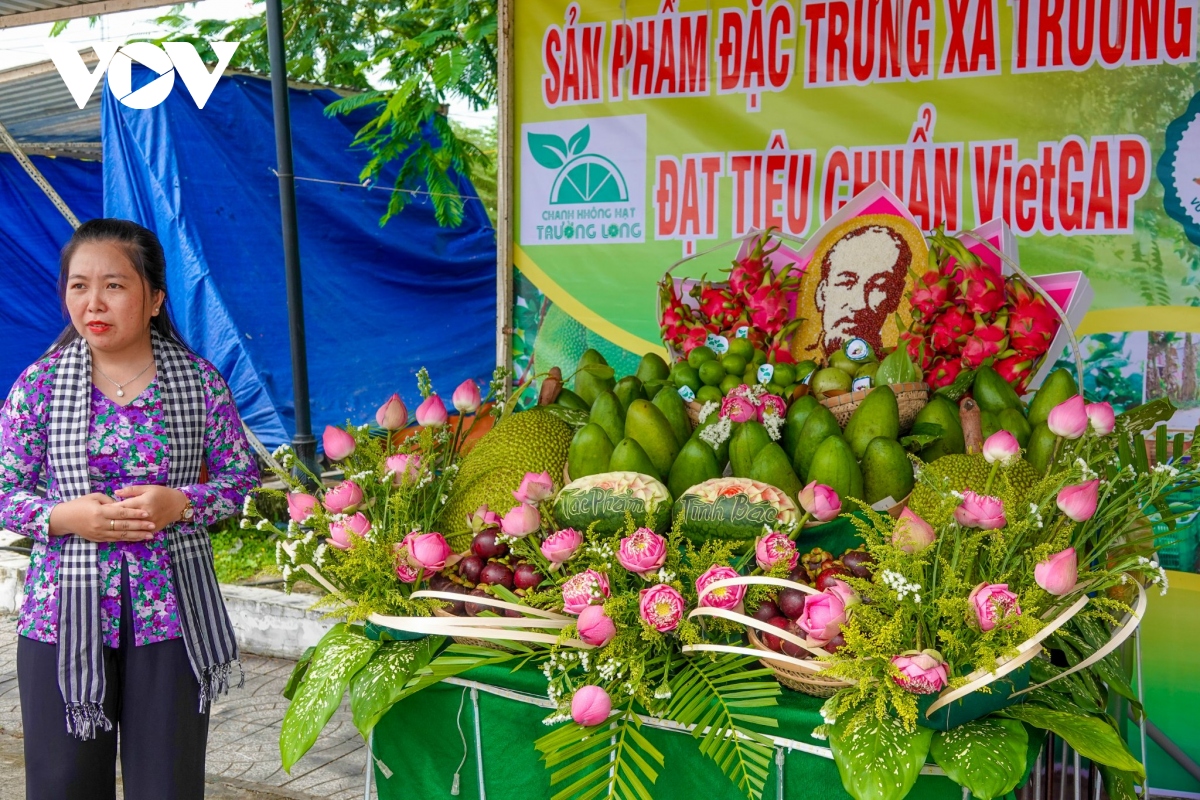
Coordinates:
(729, 597)
(980, 511)
(535, 487)
(1101, 418)
(1001, 447)
(912, 534)
(590, 706)
(774, 548)
(584, 589)
(392, 414)
(921, 672)
(432, 412)
(594, 626)
(993, 602)
(1059, 573)
(404, 467)
(427, 551)
(300, 506)
(521, 521)
(823, 616)
(820, 501)
(341, 530)
(771, 405)
(1069, 418)
(1078, 502)
(405, 571)
(845, 592)
(337, 443)
(738, 409)
(483, 519)
(982, 289)
(661, 607)
(561, 545)
(466, 398)
(643, 553)
(344, 498)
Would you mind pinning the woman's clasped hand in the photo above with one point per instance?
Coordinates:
(136, 515)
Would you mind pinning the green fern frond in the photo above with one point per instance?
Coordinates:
(614, 759)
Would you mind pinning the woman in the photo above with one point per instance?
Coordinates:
(123, 629)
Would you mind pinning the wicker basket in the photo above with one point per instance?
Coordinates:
(441, 612)
(811, 683)
(911, 397)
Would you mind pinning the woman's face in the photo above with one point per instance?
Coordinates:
(109, 303)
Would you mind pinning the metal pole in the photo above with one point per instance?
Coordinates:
(303, 441)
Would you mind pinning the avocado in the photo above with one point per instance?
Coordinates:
(1058, 387)
(673, 408)
(877, 415)
(695, 464)
(821, 423)
(1014, 422)
(588, 384)
(652, 368)
(772, 467)
(609, 415)
(992, 392)
(744, 445)
(943, 412)
(797, 415)
(1041, 448)
(887, 472)
(629, 389)
(833, 465)
(628, 456)
(590, 452)
(646, 425)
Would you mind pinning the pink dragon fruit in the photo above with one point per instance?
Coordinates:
(918, 349)
(982, 289)
(932, 293)
(943, 371)
(748, 272)
(717, 304)
(693, 336)
(949, 332)
(677, 317)
(1016, 369)
(986, 341)
(1031, 327)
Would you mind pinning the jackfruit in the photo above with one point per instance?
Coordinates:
(1013, 485)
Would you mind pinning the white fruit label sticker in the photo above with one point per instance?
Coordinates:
(765, 373)
(861, 383)
(857, 350)
(718, 344)
(686, 393)
(743, 332)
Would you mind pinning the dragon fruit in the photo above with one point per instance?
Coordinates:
(748, 271)
(943, 371)
(693, 336)
(918, 349)
(987, 340)
(949, 332)
(932, 293)
(1016, 369)
(677, 318)
(717, 304)
(982, 289)
(1032, 324)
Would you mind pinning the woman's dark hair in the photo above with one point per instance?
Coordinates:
(144, 251)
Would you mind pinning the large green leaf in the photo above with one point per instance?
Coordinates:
(608, 760)
(1118, 784)
(341, 652)
(1091, 737)
(986, 756)
(878, 760)
(298, 672)
(380, 684)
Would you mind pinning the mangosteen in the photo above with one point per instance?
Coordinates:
(800, 575)
(836, 643)
(816, 560)
(470, 568)
(526, 576)
(496, 573)
(457, 607)
(474, 609)
(791, 603)
(440, 583)
(830, 574)
(772, 641)
(859, 562)
(794, 650)
(486, 545)
(767, 611)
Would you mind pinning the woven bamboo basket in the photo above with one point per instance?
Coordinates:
(441, 612)
(811, 683)
(911, 397)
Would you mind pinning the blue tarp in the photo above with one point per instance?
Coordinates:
(379, 303)
(32, 232)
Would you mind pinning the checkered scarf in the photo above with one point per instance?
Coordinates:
(207, 632)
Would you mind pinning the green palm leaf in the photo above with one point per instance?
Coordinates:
(608, 760)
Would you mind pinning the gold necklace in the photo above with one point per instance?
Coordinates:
(121, 386)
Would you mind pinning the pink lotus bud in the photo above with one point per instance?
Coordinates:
(337, 443)
(980, 511)
(921, 672)
(427, 551)
(432, 412)
(561, 545)
(738, 409)
(728, 597)
(483, 519)
(300, 506)
(404, 467)
(643, 553)
(773, 548)
(912, 534)
(993, 602)
(584, 589)
(823, 615)
(466, 398)
(843, 590)
(1069, 418)
(521, 521)
(344, 498)
(594, 626)
(1059, 573)
(392, 414)
(1001, 447)
(590, 706)
(1101, 417)
(820, 501)
(1079, 502)
(341, 530)
(535, 487)
(661, 607)
(771, 405)
(405, 571)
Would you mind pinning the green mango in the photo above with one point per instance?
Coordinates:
(1041, 448)
(834, 465)
(1014, 422)
(943, 412)
(590, 452)
(877, 415)
(744, 445)
(646, 425)
(841, 361)
(568, 399)
(695, 464)
(773, 467)
(992, 392)
(989, 422)
(886, 470)
(628, 456)
(722, 449)
(820, 425)
(675, 410)
(588, 385)
(1058, 387)
(627, 390)
(652, 368)
(793, 423)
(609, 415)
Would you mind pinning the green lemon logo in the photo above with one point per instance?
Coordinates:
(582, 177)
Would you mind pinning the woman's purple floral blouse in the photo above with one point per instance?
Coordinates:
(127, 445)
